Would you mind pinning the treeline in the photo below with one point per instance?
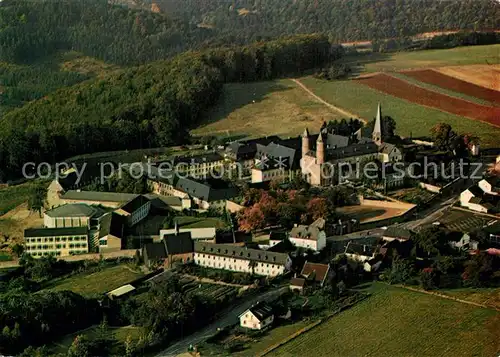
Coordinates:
(437, 42)
(146, 106)
(462, 39)
(33, 29)
(240, 20)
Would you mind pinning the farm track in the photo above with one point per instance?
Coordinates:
(412, 93)
(322, 101)
(454, 84)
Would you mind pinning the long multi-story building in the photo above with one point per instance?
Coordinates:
(56, 241)
(241, 259)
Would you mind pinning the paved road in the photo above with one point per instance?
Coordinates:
(230, 317)
(431, 214)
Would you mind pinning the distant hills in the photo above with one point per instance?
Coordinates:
(342, 20)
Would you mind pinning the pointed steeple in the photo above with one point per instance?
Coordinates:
(305, 142)
(377, 134)
(320, 150)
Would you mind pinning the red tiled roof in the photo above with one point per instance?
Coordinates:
(319, 271)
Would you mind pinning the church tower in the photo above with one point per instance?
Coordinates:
(305, 142)
(320, 150)
(377, 135)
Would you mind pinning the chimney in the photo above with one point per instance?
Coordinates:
(176, 227)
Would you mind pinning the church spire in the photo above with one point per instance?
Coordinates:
(377, 135)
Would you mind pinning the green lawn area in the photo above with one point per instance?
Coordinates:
(199, 222)
(120, 333)
(99, 282)
(398, 322)
(258, 109)
(458, 56)
(411, 119)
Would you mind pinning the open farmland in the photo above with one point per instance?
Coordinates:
(398, 322)
(411, 118)
(442, 80)
(100, 282)
(401, 89)
(484, 75)
(459, 56)
(278, 107)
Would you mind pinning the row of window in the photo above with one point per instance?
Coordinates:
(55, 253)
(55, 239)
(219, 265)
(57, 246)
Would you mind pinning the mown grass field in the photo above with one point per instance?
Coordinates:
(459, 56)
(411, 119)
(265, 108)
(398, 322)
(99, 282)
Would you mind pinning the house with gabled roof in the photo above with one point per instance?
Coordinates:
(258, 317)
(309, 237)
(315, 272)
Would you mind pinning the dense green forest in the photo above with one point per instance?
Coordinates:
(145, 106)
(341, 20)
(33, 29)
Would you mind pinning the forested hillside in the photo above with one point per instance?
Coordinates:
(36, 28)
(150, 105)
(342, 20)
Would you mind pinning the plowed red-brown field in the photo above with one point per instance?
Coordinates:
(457, 85)
(404, 90)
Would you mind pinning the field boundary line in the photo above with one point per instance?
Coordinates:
(433, 293)
(329, 105)
(310, 327)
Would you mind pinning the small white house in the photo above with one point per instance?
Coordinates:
(258, 317)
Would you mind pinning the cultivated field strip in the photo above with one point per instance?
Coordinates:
(454, 84)
(404, 90)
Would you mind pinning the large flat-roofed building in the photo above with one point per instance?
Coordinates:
(70, 215)
(106, 199)
(56, 241)
(241, 259)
